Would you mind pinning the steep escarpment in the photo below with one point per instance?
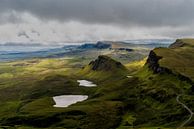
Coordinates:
(153, 63)
(178, 59)
(167, 75)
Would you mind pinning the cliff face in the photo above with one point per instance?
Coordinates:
(178, 58)
(153, 63)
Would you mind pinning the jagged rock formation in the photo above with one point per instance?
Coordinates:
(104, 68)
(153, 63)
(105, 63)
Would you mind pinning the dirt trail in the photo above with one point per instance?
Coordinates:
(188, 109)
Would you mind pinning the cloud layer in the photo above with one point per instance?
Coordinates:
(77, 20)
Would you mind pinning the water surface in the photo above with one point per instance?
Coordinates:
(86, 83)
(67, 100)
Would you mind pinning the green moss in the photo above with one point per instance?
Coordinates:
(9, 108)
(38, 106)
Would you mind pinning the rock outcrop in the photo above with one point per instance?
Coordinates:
(105, 63)
(153, 63)
(177, 43)
(182, 43)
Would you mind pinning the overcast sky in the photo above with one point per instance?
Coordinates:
(92, 20)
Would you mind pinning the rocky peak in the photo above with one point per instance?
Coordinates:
(105, 63)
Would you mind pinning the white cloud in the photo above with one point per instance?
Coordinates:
(73, 31)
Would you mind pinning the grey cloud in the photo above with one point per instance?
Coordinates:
(24, 34)
(35, 32)
(149, 13)
(11, 17)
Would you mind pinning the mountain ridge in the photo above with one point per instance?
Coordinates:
(177, 58)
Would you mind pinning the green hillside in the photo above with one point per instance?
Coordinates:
(179, 57)
(104, 68)
(167, 74)
(145, 94)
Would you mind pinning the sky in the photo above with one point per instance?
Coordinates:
(53, 21)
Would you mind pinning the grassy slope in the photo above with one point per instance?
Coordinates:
(28, 85)
(159, 91)
(109, 71)
(180, 59)
(135, 65)
(36, 81)
(144, 100)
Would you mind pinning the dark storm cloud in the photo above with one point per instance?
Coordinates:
(121, 12)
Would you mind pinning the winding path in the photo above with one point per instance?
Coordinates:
(188, 109)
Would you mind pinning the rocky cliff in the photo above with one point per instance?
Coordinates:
(173, 60)
(153, 63)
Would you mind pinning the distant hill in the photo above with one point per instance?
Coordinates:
(98, 45)
(182, 43)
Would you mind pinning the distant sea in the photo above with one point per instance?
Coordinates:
(14, 52)
(30, 47)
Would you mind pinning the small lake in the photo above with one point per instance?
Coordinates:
(86, 83)
(67, 100)
(129, 76)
